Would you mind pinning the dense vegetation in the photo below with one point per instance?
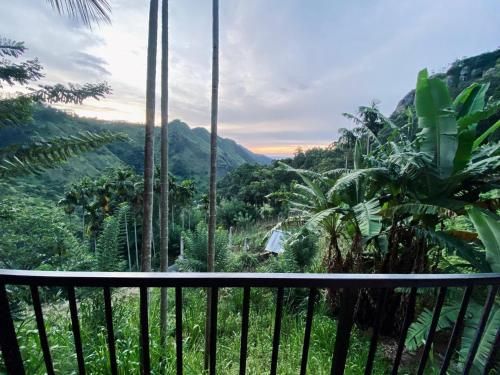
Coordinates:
(416, 192)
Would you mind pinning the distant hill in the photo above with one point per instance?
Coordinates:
(189, 151)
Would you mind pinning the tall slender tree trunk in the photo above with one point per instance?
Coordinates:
(164, 173)
(213, 138)
(147, 219)
(135, 242)
(213, 168)
(128, 245)
(83, 222)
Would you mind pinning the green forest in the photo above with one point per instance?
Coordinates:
(413, 192)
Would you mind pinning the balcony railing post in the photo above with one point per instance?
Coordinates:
(410, 312)
(344, 328)
(376, 328)
(8, 340)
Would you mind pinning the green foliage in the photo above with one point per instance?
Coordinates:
(419, 330)
(195, 254)
(111, 241)
(487, 226)
(438, 136)
(487, 340)
(35, 157)
(36, 235)
(127, 331)
(45, 154)
(368, 218)
(243, 261)
(300, 251)
(15, 112)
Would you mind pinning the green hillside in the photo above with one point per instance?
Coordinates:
(189, 151)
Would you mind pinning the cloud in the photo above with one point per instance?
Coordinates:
(288, 70)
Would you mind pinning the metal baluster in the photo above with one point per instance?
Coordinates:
(376, 328)
(344, 328)
(244, 330)
(410, 311)
(178, 328)
(432, 330)
(146, 367)
(480, 329)
(8, 340)
(277, 330)
(307, 333)
(44, 343)
(456, 330)
(213, 331)
(75, 325)
(108, 312)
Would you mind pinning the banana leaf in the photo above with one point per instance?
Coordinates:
(487, 225)
(436, 119)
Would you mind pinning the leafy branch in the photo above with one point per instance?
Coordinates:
(44, 154)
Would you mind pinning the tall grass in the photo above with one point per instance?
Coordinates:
(127, 333)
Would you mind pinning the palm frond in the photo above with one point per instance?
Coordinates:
(419, 330)
(315, 220)
(419, 209)
(487, 339)
(347, 181)
(88, 11)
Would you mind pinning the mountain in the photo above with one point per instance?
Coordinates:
(189, 151)
(483, 68)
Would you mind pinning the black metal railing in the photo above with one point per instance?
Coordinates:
(345, 282)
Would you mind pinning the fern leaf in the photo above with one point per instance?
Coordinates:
(46, 154)
(419, 330)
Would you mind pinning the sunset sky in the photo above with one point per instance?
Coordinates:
(288, 69)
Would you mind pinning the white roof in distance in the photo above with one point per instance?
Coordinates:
(275, 242)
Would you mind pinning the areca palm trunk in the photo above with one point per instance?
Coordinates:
(135, 242)
(128, 244)
(164, 170)
(213, 167)
(147, 219)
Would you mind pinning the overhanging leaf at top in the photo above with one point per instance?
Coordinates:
(437, 122)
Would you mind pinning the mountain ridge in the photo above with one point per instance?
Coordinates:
(189, 150)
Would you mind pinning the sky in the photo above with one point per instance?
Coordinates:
(288, 68)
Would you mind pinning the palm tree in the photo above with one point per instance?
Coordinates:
(213, 136)
(347, 139)
(213, 164)
(164, 169)
(147, 218)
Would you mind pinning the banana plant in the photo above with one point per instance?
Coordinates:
(487, 226)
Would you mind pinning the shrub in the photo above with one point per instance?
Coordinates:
(196, 247)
